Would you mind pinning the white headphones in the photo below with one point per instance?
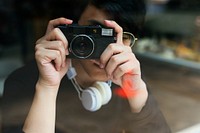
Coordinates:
(92, 97)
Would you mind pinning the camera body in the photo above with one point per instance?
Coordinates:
(87, 42)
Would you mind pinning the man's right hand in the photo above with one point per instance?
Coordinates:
(50, 54)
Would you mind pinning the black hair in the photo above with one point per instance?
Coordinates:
(71, 9)
(129, 14)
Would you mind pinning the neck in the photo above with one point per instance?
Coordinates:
(82, 78)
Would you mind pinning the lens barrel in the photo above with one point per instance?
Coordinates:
(82, 46)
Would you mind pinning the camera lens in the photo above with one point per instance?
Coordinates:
(82, 46)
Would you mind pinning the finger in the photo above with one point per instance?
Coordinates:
(66, 66)
(56, 34)
(54, 45)
(126, 68)
(58, 60)
(131, 67)
(117, 29)
(115, 61)
(53, 23)
(108, 52)
(61, 43)
(111, 50)
(45, 56)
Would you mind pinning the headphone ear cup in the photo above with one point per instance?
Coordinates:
(91, 99)
(105, 91)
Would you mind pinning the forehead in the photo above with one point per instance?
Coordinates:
(92, 14)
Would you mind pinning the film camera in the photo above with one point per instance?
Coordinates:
(87, 42)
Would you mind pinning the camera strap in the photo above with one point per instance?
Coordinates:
(71, 74)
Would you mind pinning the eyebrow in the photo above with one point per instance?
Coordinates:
(95, 22)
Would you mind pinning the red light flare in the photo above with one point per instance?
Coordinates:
(127, 90)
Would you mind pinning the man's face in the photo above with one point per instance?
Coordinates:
(93, 16)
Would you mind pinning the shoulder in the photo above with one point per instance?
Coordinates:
(21, 80)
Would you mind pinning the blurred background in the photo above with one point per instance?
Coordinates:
(169, 50)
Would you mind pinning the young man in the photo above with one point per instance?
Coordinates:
(117, 64)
